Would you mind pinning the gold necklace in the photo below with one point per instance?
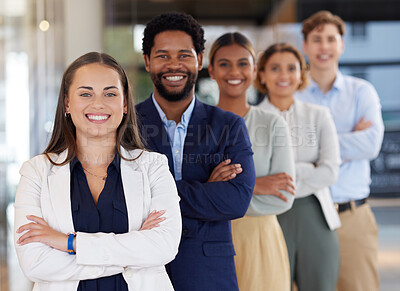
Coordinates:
(98, 176)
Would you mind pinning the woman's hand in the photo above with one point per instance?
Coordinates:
(225, 172)
(270, 185)
(40, 231)
(153, 220)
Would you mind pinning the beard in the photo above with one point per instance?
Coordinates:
(174, 96)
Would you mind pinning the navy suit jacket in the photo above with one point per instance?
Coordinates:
(205, 258)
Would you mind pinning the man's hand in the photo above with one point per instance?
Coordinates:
(270, 185)
(225, 171)
(362, 125)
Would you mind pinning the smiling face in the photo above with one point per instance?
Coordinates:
(324, 46)
(173, 65)
(281, 75)
(234, 70)
(96, 102)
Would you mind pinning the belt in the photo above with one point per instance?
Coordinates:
(346, 206)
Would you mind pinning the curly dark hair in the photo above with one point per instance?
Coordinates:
(173, 21)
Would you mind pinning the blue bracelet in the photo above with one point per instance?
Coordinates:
(70, 244)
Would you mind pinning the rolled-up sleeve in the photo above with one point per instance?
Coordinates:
(364, 144)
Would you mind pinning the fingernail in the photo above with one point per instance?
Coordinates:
(162, 211)
(233, 175)
(227, 161)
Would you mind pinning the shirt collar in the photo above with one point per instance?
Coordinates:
(185, 116)
(277, 110)
(338, 84)
(115, 163)
(75, 162)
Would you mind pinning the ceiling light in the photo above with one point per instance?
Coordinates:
(44, 25)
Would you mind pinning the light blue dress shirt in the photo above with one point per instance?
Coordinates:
(349, 100)
(176, 134)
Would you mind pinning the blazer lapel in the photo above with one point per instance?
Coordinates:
(59, 190)
(132, 181)
(196, 129)
(153, 131)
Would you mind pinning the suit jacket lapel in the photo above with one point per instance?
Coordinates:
(196, 129)
(132, 181)
(153, 131)
(59, 190)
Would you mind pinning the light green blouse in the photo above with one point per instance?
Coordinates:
(270, 139)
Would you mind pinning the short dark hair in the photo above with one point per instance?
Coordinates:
(173, 21)
(321, 18)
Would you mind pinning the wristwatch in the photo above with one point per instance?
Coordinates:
(70, 244)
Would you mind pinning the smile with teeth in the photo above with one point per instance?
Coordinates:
(97, 117)
(174, 78)
(324, 57)
(283, 84)
(234, 82)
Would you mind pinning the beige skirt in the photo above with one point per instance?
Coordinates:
(261, 260)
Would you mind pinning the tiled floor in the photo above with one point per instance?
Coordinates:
(387, 212)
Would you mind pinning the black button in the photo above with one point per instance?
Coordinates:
(184, 231)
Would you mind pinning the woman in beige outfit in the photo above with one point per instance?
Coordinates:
(261, 254)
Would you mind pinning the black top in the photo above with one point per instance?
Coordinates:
(109, 215)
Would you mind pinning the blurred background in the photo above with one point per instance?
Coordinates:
(39, 38)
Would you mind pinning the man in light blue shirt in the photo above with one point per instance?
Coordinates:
(356, 110)
(176, 134)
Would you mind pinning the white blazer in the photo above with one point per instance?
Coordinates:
(44, 191)
(316, 150)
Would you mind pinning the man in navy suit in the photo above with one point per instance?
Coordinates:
(208, 149)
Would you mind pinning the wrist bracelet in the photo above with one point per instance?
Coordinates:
(70, 244)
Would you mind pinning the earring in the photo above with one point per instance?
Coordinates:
(67, 115)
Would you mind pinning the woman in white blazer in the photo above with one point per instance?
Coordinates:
(96, 175)
(309, 226)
